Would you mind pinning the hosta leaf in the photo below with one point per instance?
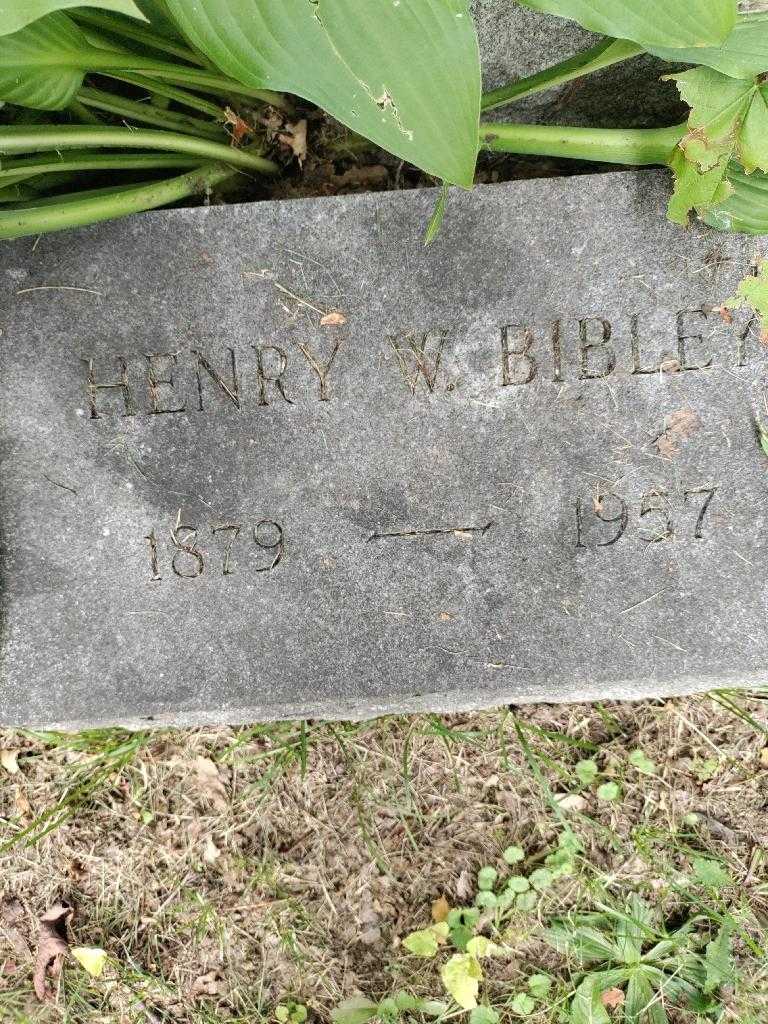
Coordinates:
(41, 66)
(157, 13)
(15, 14)
(743, 54)
(404, 73)
(660, 23)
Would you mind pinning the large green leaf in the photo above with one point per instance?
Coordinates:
(157, 14)
(742, 55)
(728, 118)
(15, 14)
(41, 66)
(728, 122)
(650, 22)
(404, 73)
(745, 210)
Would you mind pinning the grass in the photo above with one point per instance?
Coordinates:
(228, 870)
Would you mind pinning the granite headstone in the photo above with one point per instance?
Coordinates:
(281, 460)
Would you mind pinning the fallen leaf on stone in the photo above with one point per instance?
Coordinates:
(8, 759)
(211, 783)
(678, 426)
(570, 801)
(764, 757)
(52, 945)
(612, 997)
(295, 137)
(440, 910)
(91, 959)
(333, 319)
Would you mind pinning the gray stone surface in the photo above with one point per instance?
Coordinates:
(431, 555)
(516, 41)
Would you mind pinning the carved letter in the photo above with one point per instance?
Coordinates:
(516, 341)
(155, 382)
(94, 387)
(264, 378)
(418, 354)
(586, 345)
(682, 354)
(634, 330)
(321, 371)
(557, 353)
(231, 390)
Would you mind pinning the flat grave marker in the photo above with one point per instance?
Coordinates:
(281, 460)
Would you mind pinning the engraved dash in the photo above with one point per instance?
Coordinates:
(456, 531)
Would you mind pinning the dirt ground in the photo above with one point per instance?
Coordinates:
(227, 871)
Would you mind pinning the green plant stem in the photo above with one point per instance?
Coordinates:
(117, 60)
(82, 114)
(636, 146)
(170, 92)
(87, 160)
(146, 113)
(90, 209)
(605, 53)
(126, 29)
(44, 138)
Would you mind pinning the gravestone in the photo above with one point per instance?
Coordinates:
(516, 41)
(281, 460)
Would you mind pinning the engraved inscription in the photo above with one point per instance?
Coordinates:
(419, 357)
(185, 559)
(656, 516)
(584, 348)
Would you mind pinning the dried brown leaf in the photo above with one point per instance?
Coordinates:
(612, 998)
(210, 783)
(440, 910)
(465, 885)
(206, 985)
(333, 319)
(211, 852)
(11, 914)
(570, 801)
(8, 760)
(295, 137)
(23, 806)
(678, 426)
(52, 945)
